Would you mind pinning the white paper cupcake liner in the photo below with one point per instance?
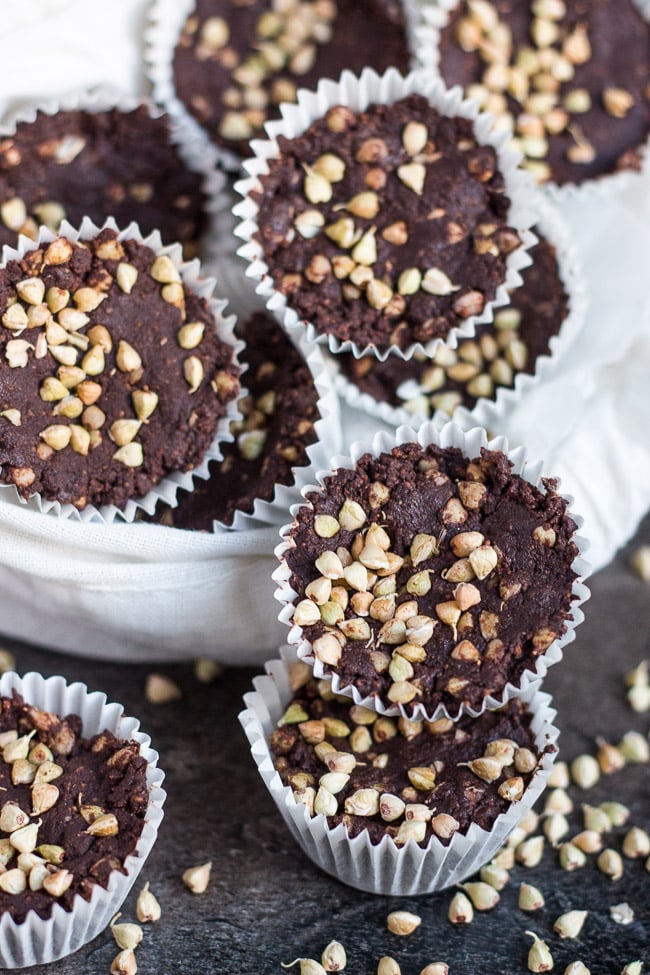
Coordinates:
(197, 157)
(386, 868)
(166, 20)
(436, 17)
(490, 413)
(38, 941)
(470, 443)
(243, 302)
(358, 93)
(167, 488)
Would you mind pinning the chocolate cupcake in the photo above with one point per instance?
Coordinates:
(118, 370)
(431, 578)
(388, 229)
(479, 368)
(79, 815)
(234, 63)
(569, 78)
(123, 161)
(279, 416)
(395, 806)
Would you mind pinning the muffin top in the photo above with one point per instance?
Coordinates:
(72, 809)
(424, 577)
(400, 778)
(388, 227)
(279, 413)
(237, 60)
(112, 374)
(479, 367)
(98, 164)
(569, 78)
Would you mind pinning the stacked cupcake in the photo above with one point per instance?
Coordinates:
(429, 583)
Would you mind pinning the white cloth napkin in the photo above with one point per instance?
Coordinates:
(148, 592)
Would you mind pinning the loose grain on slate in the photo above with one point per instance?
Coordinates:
(437, 209)
(479, 618)
(174, 437)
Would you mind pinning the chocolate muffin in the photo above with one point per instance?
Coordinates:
(386, 227)
(279, 413)
(424, 577)
(569, 78)
(395, 777)
(72, 809)
(479, 367)
(237, 60)
(112, 374)
(98, 164)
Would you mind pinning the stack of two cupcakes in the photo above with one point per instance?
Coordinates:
(432, 578)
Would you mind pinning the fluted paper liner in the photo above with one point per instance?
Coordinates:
(357, 93)
(197, 157)
(436, 16)
(190, 271)
(166, 20)
(37, 941)
(470, 443)
(490, 413)
(386, 868)
(243, 301)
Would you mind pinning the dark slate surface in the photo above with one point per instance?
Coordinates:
(267, 903)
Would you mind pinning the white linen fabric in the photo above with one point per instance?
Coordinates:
(154, 593)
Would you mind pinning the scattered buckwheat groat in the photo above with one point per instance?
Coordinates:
(198, 878)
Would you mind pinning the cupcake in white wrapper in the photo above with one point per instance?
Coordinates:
(166, 21)
(191, 279)
(454, 699)
(436, 16)
(357, 94)
(194, 154)
(271, 510)
(386, 868)
(490, 412)
(36, 941)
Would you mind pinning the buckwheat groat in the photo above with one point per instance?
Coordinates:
(112, 374)
(427, 578)
(98, 164)
(279, 415)
(401, 778)
(479, 367)
(72, 809)
(237, 60)
(570, 78)
(388, 227)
